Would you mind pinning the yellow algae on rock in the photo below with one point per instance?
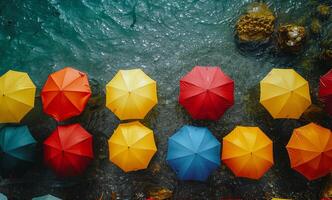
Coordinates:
(256, 25)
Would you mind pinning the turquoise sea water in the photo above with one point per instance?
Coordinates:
(166, 39)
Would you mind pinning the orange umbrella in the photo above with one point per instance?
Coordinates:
(310, 151)
(248, 152)
(65, 93)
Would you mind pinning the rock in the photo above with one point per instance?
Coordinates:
(291, 38)
(315, 26)
(327, 192)
(326, 52)
(160, 193)
(155, 168)
(323, 11)
(256, 25)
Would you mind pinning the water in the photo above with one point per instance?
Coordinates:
(166, 39)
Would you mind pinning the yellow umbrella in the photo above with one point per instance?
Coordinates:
(131, 94)
(132, 146)
(17, 96)
(248, 152)
(285, 94)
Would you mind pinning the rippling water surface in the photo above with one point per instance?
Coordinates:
(166, 39)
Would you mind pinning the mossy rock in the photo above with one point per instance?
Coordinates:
(291, 38)
(256, 25)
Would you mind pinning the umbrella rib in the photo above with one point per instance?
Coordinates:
(138, 94)
(295, 92)
(136, 88)
(24, 146)
(124, 81)
(22, 75)
(181, 157)
(147, 134)
(202, 156)
(11, 111)
(189, 165)
(77, 109)
(137, 158)
(182, 145)
(267, 83)
(13, 99)
(283, 106)
(118, 153)
(72, 82)
(19, 90)
(50, 102)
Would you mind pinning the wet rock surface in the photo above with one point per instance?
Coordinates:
(326, 52)
(291, 38)
(323, 11)
(256, 25)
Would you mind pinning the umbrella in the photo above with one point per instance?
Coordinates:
(206, 92)
(132, 146)
(68, 150)
(65, 93)
(131, 94)
(46, 197)
(17, 149)
(310, 151)
(248, 152)
(325, 91)
(285, 94)
(17, 96)
(193, 153)
(3, 197)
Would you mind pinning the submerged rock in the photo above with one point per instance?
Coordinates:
(323, 11)
(327, 192)
(291, 38)
(315, 26)
(256, 25)
(326, 52)
(160, 193)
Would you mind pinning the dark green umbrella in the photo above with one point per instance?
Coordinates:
(17, 149)
(46, 197)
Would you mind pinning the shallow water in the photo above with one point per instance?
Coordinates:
(166, 39)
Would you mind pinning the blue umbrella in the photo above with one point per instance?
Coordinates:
(17, 149)
(193, 152)
(46, 197)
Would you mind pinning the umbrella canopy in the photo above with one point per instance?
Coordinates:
(248, 152)
(131, 94)
(46, 197)
(310, 151)
(17, 96)
(17, 149)
(193, 153)
(68, 150)
(285, 94)
(132, 146)
(3, 197)
(206, 92)
(65, 93)
(325, 91)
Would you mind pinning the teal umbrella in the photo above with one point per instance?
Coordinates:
(46, 197)
(3, 197)
(17, 149)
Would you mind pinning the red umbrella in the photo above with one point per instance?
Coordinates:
(325, 91)
(206, 92)
(68, 150)
(65, 93)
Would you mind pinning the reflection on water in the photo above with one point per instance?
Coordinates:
(166, 39)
